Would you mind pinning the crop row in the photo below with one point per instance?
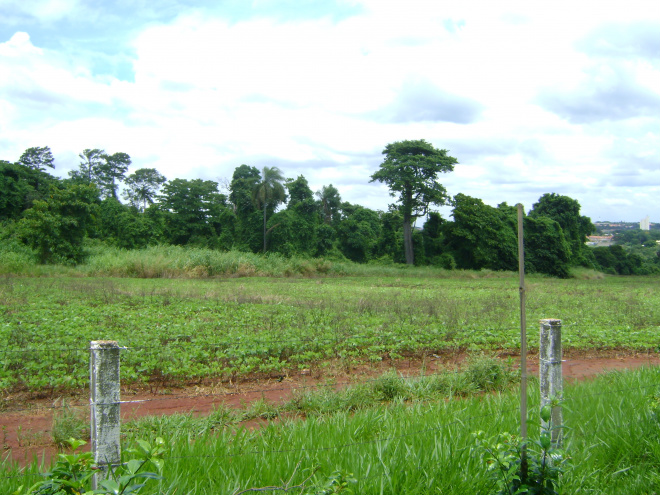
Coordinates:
(194, 330)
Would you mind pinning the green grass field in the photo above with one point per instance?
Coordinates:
(612, 436)
(188, 330)
(240, 321)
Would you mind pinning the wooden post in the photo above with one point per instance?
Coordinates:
(550, 375)
(105, 406)
(523, 345)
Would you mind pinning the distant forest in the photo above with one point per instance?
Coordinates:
(263, 211)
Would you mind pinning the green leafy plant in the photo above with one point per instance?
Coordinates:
(533, 468)
(72, 473)
(337, 482)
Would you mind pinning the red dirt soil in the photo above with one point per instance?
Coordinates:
(27, 422)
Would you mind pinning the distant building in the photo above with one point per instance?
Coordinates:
(599, 240)
(645, 224)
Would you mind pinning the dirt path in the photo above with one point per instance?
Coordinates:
(27, 423)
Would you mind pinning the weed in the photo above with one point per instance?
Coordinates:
(68, 423)
(486, 372)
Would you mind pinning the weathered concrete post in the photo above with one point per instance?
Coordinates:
(105, 406)
(550, 375)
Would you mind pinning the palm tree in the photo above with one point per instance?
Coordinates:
(269, 191)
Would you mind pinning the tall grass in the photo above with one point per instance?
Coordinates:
(193, 263)
(612, 437)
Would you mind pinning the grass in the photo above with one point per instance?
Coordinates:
(418, 447)
(69, 423)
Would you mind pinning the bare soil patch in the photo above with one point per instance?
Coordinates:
(27, 421)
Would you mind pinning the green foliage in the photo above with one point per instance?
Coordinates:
(282, 315)
(358, 232)
(410, 170)
(533, 468)
(616, 260)
(267, 193)
(20, 186)
(298, 190)
(546, 248)
(330, 202)
(15, 256)
(55, 227)
(413, 448)
(194, 212)
(142, 186)
(37, 158)
(110, 171)
(337, 482)
(487, 373)
(481, 236)
(91, 162)
(566, 212)
(72, 474)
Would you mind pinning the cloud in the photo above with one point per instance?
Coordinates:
(638, 39)
(420, 100)
(20, 11)
(608, 93)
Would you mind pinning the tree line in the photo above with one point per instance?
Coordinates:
(263, 211)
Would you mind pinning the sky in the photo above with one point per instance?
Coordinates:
(530, 97)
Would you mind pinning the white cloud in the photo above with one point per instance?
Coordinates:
(210, 93)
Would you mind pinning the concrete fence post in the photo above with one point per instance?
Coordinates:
(550, 375)
(105, 405)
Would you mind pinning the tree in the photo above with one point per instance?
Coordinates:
(91, 161)
(55, 227)
(546, 248)
(191, 207)
(566, 212)
(143, 186)
(37, 158)
(433, 239)
(298, 190)
(111, 171)
(19, 187)
(481, 236)
(330, 203)
(358, 232)
(410, 170)
(248, 220)
(268, 192)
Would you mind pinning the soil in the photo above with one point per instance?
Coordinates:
(27, 421)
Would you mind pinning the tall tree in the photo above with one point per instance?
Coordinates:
(110, 172)
(91, 160)
(143, 186)
(410, 170)
(248, 220)
(37, 158)
(268, 192)
(330, 202)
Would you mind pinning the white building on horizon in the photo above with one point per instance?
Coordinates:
(645, 224)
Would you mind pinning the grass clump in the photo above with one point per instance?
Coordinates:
(488, 373)
(69, 423)
(483, 373)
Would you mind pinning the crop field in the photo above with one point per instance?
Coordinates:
(179, 331)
